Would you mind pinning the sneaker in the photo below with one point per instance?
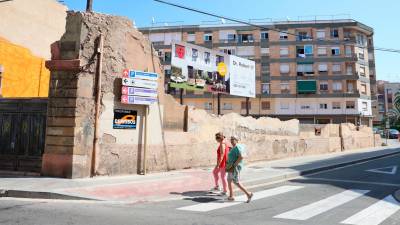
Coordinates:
(223, 193)
(249, 198)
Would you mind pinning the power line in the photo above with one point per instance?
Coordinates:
(259, 26)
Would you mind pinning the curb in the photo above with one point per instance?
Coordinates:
(39, 195)
(291, 175)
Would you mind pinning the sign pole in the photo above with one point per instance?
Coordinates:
(146, 122)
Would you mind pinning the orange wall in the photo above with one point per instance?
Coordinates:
(25, 75)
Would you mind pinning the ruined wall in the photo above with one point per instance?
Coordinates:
(362, 138)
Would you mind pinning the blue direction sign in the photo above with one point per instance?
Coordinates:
(142, 75)
(137, 100)
(139, 91)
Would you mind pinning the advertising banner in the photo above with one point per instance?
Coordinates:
(242, 74)
(197, 68)
(124, 119)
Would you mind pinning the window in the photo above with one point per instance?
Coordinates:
(335, 51)
(364, 106)
(305, 69)
(322, 67)
(167, 57)
(323, 106)
(243, 105)
(308, 49)
(361, 39)
(337, 86)
(191, 37)
(305, 107)
(264, 35)
(320, 34)
(229, 51)
(336, 68)
(207, 57)
(231, 37)
(350, 105)
(227, 106)
(362, 71)
(322, 51)
(302, 35)
(265, 105)
(284, 51)
(323, 86)
(284, 68)
(334, 33)
(348, 50)
(195, 54)
(336, 105)
(284, 105)
(207, 37)
(364, 89)
(265, 88)
(300, 52)
(244, 38)
(283, 35)
(349, 70)
(264, 51)
(285, 88)
(208, 106)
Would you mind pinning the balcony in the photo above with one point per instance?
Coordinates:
(226, 41)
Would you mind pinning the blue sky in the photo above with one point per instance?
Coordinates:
(382, 15)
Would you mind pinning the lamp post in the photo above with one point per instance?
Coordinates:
(89, 6)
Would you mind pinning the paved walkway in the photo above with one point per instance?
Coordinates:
(179, 184)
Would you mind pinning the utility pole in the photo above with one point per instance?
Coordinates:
(89, 6)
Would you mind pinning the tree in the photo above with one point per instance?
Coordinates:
(394, 113)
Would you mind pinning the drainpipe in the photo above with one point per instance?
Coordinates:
(99, 52)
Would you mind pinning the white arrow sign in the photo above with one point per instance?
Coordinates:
(385, 170)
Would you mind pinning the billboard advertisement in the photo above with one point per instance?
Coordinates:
(197, 68)
(124, 119)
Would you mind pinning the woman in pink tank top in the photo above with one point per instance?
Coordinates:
(219, 170)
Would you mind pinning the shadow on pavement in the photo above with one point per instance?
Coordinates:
(199, 196)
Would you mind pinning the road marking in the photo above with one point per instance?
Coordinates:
(352, 181)
(205, 207)
(384, 170)
(316, 208)
(376, 213)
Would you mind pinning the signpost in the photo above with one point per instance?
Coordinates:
(134, 82)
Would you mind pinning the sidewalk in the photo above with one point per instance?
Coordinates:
(178, 184)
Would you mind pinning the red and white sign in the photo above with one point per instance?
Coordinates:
(180, 51)
(125, 73)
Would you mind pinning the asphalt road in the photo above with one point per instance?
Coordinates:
(359, 194)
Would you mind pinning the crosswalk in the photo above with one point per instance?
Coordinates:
(374, 214)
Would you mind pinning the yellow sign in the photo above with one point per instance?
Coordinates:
(222, 69)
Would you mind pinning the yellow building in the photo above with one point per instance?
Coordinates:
(24, 75)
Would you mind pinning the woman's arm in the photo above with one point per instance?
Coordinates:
(240, 158)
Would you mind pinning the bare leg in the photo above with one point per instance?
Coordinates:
(230, 187)
(243, 189)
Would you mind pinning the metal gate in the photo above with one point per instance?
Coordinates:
(22, 134)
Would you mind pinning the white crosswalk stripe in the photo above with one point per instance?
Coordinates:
(376, 213)
(205, 207)
(314, 209)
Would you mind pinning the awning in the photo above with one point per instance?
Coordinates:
(306, 86)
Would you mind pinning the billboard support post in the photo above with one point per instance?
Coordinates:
(219, 103)
(247, 106)
(181, 95)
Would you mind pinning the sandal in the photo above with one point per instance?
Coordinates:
(249, 198)
(231, 199)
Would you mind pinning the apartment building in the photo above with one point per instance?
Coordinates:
(385, 96)
(316, 71)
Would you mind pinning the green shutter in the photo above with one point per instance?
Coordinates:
(306, 86)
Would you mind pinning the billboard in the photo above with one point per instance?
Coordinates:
(197, 68)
